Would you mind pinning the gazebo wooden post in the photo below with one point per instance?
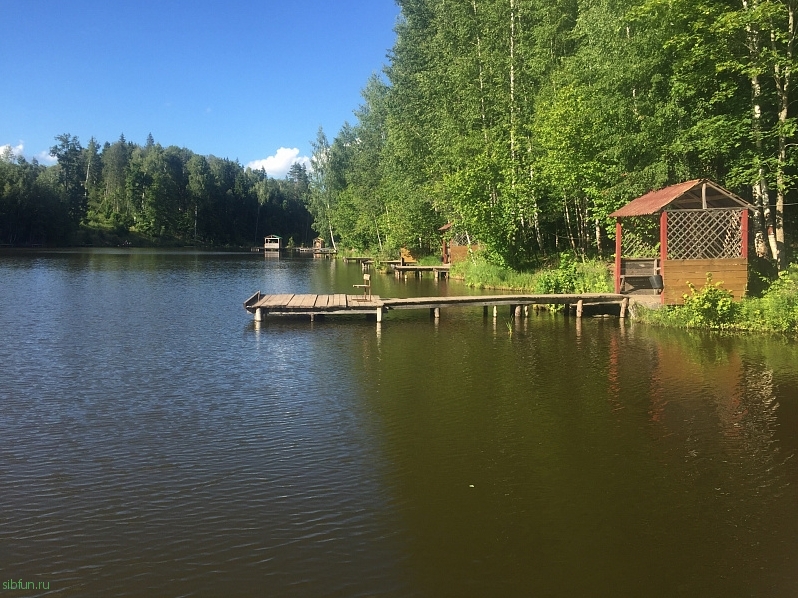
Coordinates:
(663, 249)
(618, 230)
(744, 232)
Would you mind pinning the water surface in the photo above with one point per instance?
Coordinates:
(155, 441)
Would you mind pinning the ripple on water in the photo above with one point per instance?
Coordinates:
(153, 441)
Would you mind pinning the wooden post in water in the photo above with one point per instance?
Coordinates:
(517, 311)
(579, 305)
(435, 312)
(379, 315)
(495, 312)
(259, 314)
(624, 306)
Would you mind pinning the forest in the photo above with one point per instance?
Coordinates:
(522, 123)
(165, 195)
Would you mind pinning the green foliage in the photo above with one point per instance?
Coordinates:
(569, 276)
(709, 307)
(163, 194)
(527, 123)
(712, 307)
(563, 279)
(777, 309)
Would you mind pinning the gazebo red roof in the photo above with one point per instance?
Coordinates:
(656, 201)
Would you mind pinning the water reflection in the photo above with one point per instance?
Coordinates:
(155, 440)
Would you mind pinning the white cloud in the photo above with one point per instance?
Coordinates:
(277, 165)
(9, 151)
(13, 152)
(45, 158)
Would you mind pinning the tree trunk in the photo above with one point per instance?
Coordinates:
(512, 84)
(764, 242)
(481, 77)
(782, 75)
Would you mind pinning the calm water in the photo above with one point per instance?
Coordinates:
(155, 441)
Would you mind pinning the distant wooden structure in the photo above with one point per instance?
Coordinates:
(454, 245)
(439, 272)
(272, 243)
(701, 228)
(318, 243)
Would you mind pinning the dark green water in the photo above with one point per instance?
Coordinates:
(155, 441)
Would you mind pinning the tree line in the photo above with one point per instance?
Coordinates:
(163, 193)
(524, 123)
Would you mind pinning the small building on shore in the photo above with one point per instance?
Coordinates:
(669, 237)
(455, 244)
(273, 243)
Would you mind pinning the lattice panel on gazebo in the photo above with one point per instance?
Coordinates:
(635, 244)
(460, 238)
(704, 234)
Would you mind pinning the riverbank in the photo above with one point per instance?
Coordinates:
(709, 306)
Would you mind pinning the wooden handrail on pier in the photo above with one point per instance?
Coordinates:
(319, 305)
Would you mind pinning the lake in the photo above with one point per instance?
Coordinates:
(156, 441)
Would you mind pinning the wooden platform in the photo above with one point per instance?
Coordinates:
(338, 304)
(440, 271)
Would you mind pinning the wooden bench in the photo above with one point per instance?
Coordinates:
(405, 257)
(640, 274)
(366, 286)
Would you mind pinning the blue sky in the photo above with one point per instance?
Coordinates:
(240, 79)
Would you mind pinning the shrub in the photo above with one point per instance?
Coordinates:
(709, 307)
(562, 279)
(777, 309)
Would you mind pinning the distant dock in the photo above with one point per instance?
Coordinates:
(314, 306)
(438, 272)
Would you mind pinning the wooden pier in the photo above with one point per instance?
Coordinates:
(438, 272)
(339, 304)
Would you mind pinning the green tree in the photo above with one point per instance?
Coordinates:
(71, 175)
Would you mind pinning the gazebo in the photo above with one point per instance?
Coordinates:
(455, 245)
(667, 238)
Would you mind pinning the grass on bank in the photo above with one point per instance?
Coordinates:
(711, 306)
(565, 275)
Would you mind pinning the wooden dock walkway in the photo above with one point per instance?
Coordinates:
(439, 271)
(339, 304)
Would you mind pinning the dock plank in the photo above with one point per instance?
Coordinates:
(296, 302)
(274, 301)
